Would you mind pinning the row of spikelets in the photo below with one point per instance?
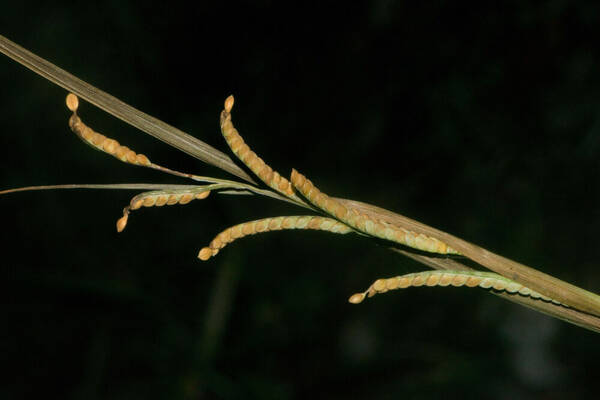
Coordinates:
(485, 280)
(99, 141)
(110, 146)
(358, 221)
(340, 219)
(353, 219)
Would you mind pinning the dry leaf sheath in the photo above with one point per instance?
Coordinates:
(518, 283)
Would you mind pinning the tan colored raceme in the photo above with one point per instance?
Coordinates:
(365, 224)
(271, 224)
(485, 280)
(99, 141)
(256, 164)
(159, 199)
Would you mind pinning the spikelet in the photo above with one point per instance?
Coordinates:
(271, 224)
(160, 198)
(122, 222)
(99, 141)
(364, 223)
(485, 280)
(256, 164)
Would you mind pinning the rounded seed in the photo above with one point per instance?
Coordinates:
(121, 223)
(235, 142)
(284, 186)
(361, 223)
(72, 102)
(459, 280)
(315, 223)
(141, 159)
(307, 188)
(378, 230)
(173, 199)
(216, 243)
(326, 224)
(418, 280)
(121, 152)
(499, 285)
(136, 203)
(379, 285)
(403, 282)
(432, 245)
(274, 182)
(389, 233)
(432, 280)
(86, 132)
(98, 138)
(287, 223)
(149, 201)
(243, 150)
(340, 228)
(297, 178)
(340, 211)
(486, 283)
(421, 242)
(236, 232)
(266, 173)
(73, 122)
(356, 298)
(302, 222)
(473, 281)
(248, 157)
(161, 200)
(202, 195)
(131, 156)
(261, 225)
(369, 225)
(392, 283)
(442, 248)
(110, 146)
(445, 280)
(248, 229)
(525, 291)
(513, 287)
(205, 253)
(229, 103)
(255, 164)
(321, 200)
(186, 198)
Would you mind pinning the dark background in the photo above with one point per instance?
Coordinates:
(479, 120)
